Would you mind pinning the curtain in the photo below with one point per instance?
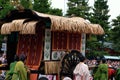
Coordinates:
(31, 46)
(66, 41)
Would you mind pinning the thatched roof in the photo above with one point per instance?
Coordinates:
(73, 24)
(58, 23)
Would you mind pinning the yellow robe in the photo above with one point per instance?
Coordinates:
(20, 72)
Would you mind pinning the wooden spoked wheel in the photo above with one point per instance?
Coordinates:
(68, 63)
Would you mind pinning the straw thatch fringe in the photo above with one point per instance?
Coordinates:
(74, 24)
(28, 28)
(96, 28)
(18, 25)
(5, 29)
(52, 67)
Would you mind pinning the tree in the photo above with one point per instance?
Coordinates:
(23, 3)
(8, 5)
(55, 11)
(26, 3)
(78, 8)
(42, 6)
(38, 5)
(5, 7)
(115, 32)
(100, 16)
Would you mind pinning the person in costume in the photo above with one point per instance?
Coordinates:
(12, 67)
(20, 71)
(102, 71)
(81, 71)
(111, 71)
(96, 67)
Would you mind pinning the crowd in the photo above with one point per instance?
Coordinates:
(113, 63)
(101, 69)
(3, 62)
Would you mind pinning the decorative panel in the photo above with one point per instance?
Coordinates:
(59, 41)
(74, 41)
(83, 41)
(47, 46)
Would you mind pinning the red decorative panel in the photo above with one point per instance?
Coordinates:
(74, 41)
(59, 40)
(64, 41)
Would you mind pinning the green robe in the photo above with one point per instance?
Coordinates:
(102, 72)
(11, 71)
(20, 72)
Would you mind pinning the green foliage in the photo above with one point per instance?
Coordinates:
(93, 54)
(5, 8)
(95, 48)
(115, 32)
(26, 3)
(42, 6)
(100, 14)
(38, 5)
(55, 11)
(79, 8)
(94, 45)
